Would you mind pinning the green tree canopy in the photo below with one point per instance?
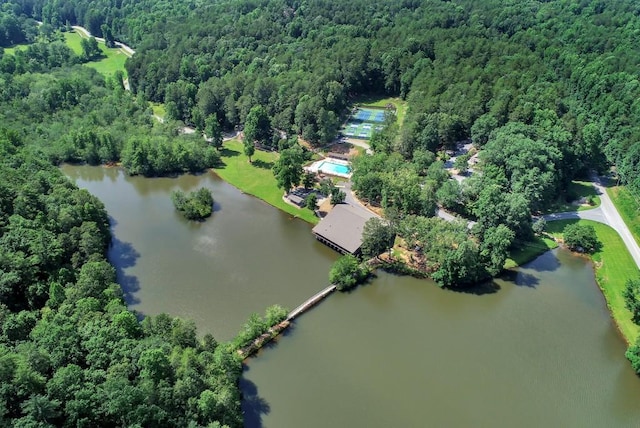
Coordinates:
(347, 272)
(579, 237)
(257, 127)
(377, 237)
(288, 168)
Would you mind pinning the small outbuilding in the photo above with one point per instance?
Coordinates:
(341, 229)
(296, 199)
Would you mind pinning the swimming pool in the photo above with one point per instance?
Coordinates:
(329, 167)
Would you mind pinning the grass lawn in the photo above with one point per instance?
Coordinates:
(257, 179)
(14, 48)
(529, 251)
(113, 60)
(613, 266)
(576, 190)
(628, 208)
(376, 101)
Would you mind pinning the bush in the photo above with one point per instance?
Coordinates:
(539, 226)
(312, 201)
(581, 238)
(347, 272)
(633, 355)
(632, 298)
(196, 205)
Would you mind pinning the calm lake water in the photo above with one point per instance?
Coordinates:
(535, 349)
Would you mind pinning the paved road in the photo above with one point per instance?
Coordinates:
(606, 213)
(360, 143)
(126, 49)
(351, 199)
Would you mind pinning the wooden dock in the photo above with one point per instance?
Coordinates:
(310, 302)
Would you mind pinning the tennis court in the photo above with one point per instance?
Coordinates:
(363, 114)
(363, 122)
(360, 130)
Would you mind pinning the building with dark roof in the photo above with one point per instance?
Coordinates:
(341, 229)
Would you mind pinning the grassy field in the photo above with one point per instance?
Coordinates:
(577, 190)
(613, 266)
(529, 251)
(113, 60)
(628, 208)
(257, 179)
(401, 105)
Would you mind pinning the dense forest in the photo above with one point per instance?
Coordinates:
(71, 353)
(546, 90)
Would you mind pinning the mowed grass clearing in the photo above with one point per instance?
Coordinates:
(529, 251)
(14, 48)
(257, 178)
(158, 109)
(613, 267)
(113, 60)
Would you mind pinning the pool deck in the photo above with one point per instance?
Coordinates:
(316, 167)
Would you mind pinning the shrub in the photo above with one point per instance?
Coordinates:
(581, 238)
(311, 201)
(196, 205)
(347, 272)
(631, 295)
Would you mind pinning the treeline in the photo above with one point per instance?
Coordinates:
(71, 353)
(73, 114)
(120, 20)
(465, 67)
(15, 27)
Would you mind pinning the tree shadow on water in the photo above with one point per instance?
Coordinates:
(253, 406)
(481, 289)
(521, 279)
(546, 262)
(122, 255)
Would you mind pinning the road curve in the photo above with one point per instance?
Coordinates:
(126, 49)
(607, 214)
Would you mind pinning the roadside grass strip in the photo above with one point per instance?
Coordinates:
(613, 267)
(628, 207)
(257, 179)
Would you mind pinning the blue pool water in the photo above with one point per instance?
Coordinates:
(329, 167)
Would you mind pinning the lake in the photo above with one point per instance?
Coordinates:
(535, 348)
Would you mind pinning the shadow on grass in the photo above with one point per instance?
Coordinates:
(226, 152)
(258, 163)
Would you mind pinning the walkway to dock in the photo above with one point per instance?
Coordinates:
(275, 330)
(310, 302)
